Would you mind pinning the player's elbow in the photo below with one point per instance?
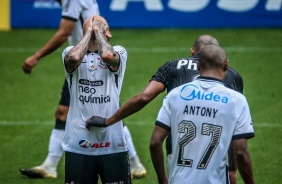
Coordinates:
(108, 57)
(63, 35)
(154, 144)
(72, 61)
(144, 98)
(241, 156)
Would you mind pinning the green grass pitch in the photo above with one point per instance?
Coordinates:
(28, 102)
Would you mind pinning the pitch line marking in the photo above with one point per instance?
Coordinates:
(139, 123)
(26, 122)
(156, 49)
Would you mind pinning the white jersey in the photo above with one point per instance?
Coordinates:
(79, 11)
(203, 117)
(94, 90)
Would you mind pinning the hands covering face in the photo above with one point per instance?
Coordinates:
(99, 24)
(87, 25)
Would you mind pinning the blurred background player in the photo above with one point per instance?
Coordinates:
(73, 15)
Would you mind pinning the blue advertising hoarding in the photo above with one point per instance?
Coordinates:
(158, 13)
(35, 14)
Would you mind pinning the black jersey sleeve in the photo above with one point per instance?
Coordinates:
(162, 74)
(240, 84)
(233, 80)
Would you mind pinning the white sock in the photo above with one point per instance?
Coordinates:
(134, 161)
(55, 150)
(131, 149)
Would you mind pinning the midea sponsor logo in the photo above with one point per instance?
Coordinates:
(191, 92)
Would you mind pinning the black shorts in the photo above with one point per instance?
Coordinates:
(65, 95)
(111, 168)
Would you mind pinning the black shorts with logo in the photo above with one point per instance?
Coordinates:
(65, 95)
(111, 168)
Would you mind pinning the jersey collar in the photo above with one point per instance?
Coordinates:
(209, 79)
(196, 56)
(88, 51)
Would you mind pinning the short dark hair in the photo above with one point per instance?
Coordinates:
(202, 41)
(212, 56)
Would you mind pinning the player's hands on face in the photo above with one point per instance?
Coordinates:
(99, 24)
(29, 63)
(96, 121)
(87, 25)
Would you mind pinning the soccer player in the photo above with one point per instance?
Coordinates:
(170, 75)
(95, 70)
(73, 15)
(203, 117)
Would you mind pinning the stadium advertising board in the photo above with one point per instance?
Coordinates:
(159, 13)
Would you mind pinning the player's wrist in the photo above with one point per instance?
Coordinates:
(37, 55)
(96, 121)
(89, 31)
(107, 122)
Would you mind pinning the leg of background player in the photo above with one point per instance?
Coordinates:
(49, 167)
(136, 168)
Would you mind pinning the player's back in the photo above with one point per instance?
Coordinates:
(203, 119)
(183, 70)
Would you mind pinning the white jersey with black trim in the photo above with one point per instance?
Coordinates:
(203, 117)
(79, 11)
(94, 90)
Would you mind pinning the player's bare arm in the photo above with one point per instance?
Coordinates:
(157, 155)
(102, 36)
(132, 106)
(60, 37)
(243, 160)
(137, 102)
(75, 56)
(232, 166)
